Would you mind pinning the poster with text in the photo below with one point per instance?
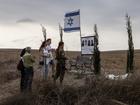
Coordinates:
(87, 44)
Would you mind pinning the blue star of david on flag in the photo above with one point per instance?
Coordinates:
(72, 21)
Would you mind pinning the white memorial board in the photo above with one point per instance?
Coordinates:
(87, 45)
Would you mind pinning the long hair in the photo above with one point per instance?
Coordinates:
(22, 52)
(48, 39)
(42, 45)
(60, 44)
(57, 50)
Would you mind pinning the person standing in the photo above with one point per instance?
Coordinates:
(41, 53)
(60, 66)
(28, 61)
(21, 69)
(50, 59)
(43, 56)
(46, 54)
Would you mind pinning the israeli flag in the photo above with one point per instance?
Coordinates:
(72, 21)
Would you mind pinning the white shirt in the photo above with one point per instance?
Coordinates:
(48, 54)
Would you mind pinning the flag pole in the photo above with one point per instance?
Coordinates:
(80, 31)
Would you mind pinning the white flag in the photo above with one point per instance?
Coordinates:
(72, 21)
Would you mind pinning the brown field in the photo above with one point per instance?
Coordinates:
(111, 62)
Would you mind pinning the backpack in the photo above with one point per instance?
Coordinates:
(20, 65)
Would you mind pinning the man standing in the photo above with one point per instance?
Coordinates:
(28, 61)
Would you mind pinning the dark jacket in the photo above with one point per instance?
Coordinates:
(60, 56)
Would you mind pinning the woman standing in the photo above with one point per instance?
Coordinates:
(60, 66)
(43, 57)
(22, 84)
(28, 61)
(46, 56)
(50, 58)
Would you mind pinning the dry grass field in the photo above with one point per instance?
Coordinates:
(112, 62)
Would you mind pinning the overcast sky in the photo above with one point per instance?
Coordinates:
(20, 22)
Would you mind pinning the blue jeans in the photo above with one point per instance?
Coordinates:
(46, 71)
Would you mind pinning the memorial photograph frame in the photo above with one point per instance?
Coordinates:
(87, 45)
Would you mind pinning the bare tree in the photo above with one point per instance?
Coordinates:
(44, 32)
(61, 33)
(130, 52)
(96, 53)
